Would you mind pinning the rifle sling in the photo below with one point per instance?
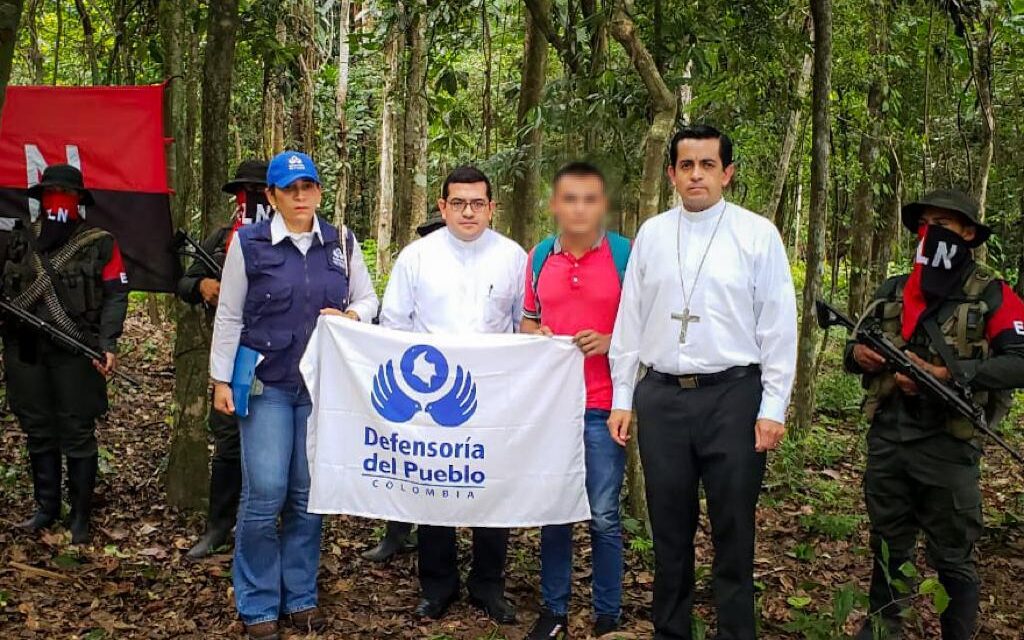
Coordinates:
(939, 344)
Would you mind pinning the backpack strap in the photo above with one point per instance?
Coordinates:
(541, 253)
(621, 248)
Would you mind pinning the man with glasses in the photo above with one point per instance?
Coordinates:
(463, 279)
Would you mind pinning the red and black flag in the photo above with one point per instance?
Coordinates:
(115, 136)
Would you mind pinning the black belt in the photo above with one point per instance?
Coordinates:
(701, 380)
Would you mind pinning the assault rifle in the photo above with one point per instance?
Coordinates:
(184, 245)
(953, 394)
(64, 340)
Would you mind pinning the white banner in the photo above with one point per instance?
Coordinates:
(456, 430)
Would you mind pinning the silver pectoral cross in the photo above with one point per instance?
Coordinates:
(685, 319)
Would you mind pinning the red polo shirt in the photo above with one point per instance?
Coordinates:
(577, 294)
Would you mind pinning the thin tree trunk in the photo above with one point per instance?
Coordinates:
(889, 224)
(414, 138)
(821, 11)
(187, 471)
(89, 43)
(486, 108)
(789, 140)
(10, 16)
(664, 105)
(279, 112)
(340, 101)
(522, 216)
(863, 224)
(35, 54)
(386, 195)
(304, 131)
(217, 72)
(57, 39)
(982, 64)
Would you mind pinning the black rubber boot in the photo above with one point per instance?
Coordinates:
(961, 616)
(885, 622)
(397, 539)
(225, 487)
(81, 483)
(46, 475)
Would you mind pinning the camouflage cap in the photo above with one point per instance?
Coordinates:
(950, 200)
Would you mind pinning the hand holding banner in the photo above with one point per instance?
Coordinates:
(455, 430)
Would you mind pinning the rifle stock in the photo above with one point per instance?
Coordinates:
(56, 335)
(184, 245)
(954, 395)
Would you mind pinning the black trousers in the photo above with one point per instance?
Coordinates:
(439, 562)
(688, 437)
(227, 444)
(56, 395)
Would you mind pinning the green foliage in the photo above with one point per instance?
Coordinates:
(835, 526)
(828, 624)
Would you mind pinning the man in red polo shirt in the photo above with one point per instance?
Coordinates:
(573, 284)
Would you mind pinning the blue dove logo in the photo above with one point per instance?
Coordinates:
(424, 370)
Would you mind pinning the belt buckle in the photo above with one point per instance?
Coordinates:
(688, 382)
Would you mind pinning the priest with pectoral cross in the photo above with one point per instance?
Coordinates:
(707, 324)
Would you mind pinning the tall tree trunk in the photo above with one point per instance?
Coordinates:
(10, 16)
(340, 101)
(888, 224)
(279, 112)
(802, 80)
(386, 195)
(187, 472)
(663, 105)
(821, 11)
(217, 72)
(57, 40)
(35, 54)
(89, 41)
(486, 105)
(414, 139)
(304, 31)
(981, 62)
(863, 224)
(522, 216)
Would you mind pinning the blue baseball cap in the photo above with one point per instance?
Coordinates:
(289, 166)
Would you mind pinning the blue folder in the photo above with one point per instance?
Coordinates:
(246, 361)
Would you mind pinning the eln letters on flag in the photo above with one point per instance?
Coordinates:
(115, 136)
(456, 430)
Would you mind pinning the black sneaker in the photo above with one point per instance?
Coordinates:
(604, 625)
(549, 627)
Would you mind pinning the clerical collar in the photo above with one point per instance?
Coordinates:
(460, 244)
(707, 214)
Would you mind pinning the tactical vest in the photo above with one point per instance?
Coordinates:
(961, 320)
(81, 275)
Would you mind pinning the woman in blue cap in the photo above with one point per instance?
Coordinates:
(279, 276)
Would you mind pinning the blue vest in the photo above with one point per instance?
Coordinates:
(286, 293)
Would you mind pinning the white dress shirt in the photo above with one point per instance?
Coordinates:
(234, 285)
(441, 284)
(744, 298)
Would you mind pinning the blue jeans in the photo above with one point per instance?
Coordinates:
(606, 463)
(275, 566)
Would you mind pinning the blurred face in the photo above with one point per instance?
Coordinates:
(297, 202)
(698, 174)
(579, 204)
(467, 211)
(949, 220)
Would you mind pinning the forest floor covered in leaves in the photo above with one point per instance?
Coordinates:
(133, 580)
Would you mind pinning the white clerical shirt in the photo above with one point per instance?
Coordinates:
(441, 284)
(744, 299)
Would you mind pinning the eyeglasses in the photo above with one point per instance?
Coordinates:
(458, 205)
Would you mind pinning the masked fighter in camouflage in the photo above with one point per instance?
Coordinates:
(71, 275)
(958, 321)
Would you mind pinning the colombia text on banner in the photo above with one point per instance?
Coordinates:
(115, 136)
(470, 430)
